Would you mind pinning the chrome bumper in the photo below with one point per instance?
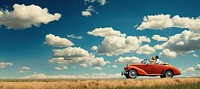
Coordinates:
(124, 72)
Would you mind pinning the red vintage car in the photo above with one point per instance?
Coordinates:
(146, 68)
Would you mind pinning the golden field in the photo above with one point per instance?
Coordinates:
(139, 83)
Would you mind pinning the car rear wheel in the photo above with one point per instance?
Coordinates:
(132, 74)
(169, 74)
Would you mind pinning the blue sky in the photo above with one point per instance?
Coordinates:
(107, 31)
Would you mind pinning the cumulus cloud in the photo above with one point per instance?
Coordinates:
(88, 12)
(90, 1)
(94, 48)
(116, 43)
(168, 53)
(26, 16)
(160, 22)
(184, 42)
(144, 39)
(76, 55)
(158, 47)
(146, 49)
(107, 31)
(5, 64)
(24, 69)
(197, 67)
(128, 60)
(195, 55)
(190, 69)
(156, 22)
(74, 36)
(57, 41)
(101, 2)
(114, 66)
(61, 68)
(82, 76)
(159, 38)
(97, 68)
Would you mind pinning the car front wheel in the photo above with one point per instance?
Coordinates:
(169, 74)
(132, 74)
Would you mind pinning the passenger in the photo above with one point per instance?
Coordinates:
(156, 60)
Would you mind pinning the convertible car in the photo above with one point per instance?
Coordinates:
(146, 68)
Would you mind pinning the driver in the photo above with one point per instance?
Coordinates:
(156, 60)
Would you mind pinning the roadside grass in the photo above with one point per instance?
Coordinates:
(178, 86)
(145, 83)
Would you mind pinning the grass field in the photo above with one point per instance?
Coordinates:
(158, 83)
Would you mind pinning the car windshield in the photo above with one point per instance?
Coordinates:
(146, 61)
(149, 61)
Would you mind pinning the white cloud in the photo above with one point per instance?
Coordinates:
(107, 31)
(197, 67)
(26, 16)
(181, 43)
(190, 69)
(144, 39)
(185, 22)
(195, 55)
(158, 47)
(57, 41)
(90, 1)
(94, 48)
(58, 68)
(114, 45)
(71, 52)
(102, 2)
(184, 42)
(65, 67)
(97, 68)
(5, 64)
(168, 53)
(128, 60)
(159, 38)
(76, 55)
(24, 69)
(82, 76)
(156, 22)
(61, 68)
(145, 49)
(114, 66)
(88, 11)
(160, 22)
(74, 36)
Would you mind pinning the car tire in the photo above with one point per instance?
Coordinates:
(169, 74)
(132, 74)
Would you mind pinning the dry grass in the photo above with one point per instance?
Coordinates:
(94, 84)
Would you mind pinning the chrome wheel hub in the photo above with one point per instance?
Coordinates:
(132, 74)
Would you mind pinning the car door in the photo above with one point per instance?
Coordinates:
(158, 68)
(148, 68)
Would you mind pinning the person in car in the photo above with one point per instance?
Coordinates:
(156, 60)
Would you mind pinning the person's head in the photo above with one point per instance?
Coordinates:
(153, 58)
(156, 57)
